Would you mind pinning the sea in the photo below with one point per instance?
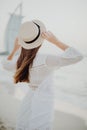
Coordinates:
(70, 83)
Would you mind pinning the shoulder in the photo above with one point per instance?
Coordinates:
(39, 59)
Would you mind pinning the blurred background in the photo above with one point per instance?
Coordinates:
(68, 21)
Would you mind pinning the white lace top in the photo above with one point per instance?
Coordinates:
(37, 109)
(44, 65)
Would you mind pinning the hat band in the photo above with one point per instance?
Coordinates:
(29, 42)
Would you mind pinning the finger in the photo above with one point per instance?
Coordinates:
(45, 35)
(42, 34)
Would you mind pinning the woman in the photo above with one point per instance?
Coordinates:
(37, 108)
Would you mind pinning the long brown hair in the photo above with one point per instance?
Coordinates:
(24, 63)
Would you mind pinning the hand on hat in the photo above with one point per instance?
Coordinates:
(49, 36)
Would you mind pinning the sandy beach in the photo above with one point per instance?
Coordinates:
(62, 121)
(65, 121)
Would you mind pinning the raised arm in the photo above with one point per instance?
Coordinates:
(68, 57)
(8, 63)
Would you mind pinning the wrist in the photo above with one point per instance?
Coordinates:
(61, 45)
(11, 55)
(54, 41)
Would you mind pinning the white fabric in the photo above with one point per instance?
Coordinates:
(37, 108)
(69, 57)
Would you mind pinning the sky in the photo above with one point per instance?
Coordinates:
(67, 19)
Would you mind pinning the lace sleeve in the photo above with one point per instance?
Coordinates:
(68, 57)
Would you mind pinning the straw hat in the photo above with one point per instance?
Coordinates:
(30, 34)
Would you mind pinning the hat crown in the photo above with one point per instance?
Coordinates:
(30, 34)
(28, 31)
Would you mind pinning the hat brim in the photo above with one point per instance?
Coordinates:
(36, 43)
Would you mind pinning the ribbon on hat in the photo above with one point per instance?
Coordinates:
(29, 42)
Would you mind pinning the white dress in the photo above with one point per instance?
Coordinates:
(37, 108)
